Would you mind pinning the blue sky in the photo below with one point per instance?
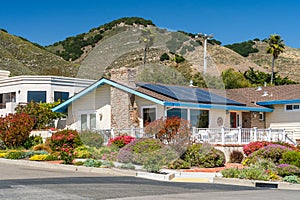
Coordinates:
(49, 21)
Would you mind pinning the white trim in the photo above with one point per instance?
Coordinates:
(147, 106)
(293, 110)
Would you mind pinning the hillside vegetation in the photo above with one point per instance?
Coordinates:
(123, 42)
(22, 57)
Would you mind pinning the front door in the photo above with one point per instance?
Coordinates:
(233, 117)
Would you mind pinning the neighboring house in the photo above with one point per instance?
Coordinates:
(284, 100)
(121, 103)
(23, 89)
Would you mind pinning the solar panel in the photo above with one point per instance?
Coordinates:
(188, 94)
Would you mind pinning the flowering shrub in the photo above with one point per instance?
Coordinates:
(291, 157)
(287, 170)
(136, 151)
(272, 153)
(64, 142)
(173, 131)
(204, 155)
(15, 129)
(120, 141)
(254, 146)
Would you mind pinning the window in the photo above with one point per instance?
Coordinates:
(177, 112)
(149, 114)
(7, 97)
(88, 121)
(261, 116)
(37, 96)
(199, 118)
(292, 107)
(61, 96)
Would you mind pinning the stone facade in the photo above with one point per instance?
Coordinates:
(251, 120)
(123, 106)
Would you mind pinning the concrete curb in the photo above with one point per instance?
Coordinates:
(111, 171)
(256, 183)
(158, 177)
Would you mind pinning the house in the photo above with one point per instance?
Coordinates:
(121, 103)
(23, 89)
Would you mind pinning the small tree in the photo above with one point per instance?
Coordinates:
(146, 38)
(15, 129)
(41, 112)
(174, 131)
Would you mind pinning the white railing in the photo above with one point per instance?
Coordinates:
(221, 135)
(240, 135)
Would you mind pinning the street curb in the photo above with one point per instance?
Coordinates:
(111, 171)
(256, 183)
(158, 177)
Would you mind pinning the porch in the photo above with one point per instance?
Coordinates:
(216, 136)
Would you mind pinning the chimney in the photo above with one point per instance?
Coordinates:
(125, 76)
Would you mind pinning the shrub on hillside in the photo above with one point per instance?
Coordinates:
(272, 152)
(91, 139)
(136, 151)
(254, 146)
(120, 141)
(204, 155)
(287, 170)
(291, 157)
(15, 129)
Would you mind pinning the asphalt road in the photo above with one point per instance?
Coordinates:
(21, 182)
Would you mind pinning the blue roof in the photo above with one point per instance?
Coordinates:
(189, 94)
(277, 102)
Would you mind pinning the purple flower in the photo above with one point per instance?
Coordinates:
(283, 165)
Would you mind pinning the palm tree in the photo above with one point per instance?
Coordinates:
(276, 47)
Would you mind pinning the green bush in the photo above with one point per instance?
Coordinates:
(292, 179)
(15, 155)
(204, 155)
(28, 154)
(91, 139)
(127, 166)
(164, 57)
(136, 151)
(291, 157)
(243, 48)
(287, 170)
(253, 173)
(231, 173)
(92, 163)
(236, 156)
(105, 153)
(82, 152)
(32, 141)
(272, 152)
(179, 164)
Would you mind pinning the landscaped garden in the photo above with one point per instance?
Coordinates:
(171, 149)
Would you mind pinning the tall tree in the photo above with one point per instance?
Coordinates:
(276, 47)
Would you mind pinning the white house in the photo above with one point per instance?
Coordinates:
(23, 89)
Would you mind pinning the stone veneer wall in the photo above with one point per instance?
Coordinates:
(250, 121)
(122, 103)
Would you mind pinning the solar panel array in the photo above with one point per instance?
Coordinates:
(188, 94)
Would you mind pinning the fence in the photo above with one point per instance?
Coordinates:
(221, 136)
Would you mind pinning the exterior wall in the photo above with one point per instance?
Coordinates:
(96, 102)
(22, 84)
(214, 115)
(145, 103)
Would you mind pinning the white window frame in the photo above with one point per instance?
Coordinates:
(142, 110)
(293, 110)
(88, 113)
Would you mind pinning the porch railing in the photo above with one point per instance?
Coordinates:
(221, 136)
(241, 135)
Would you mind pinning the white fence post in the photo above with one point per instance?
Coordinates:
(239, 135)
(269, 134)
(112, 133)
(223, 135)
(255, 134)
(283, 136)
